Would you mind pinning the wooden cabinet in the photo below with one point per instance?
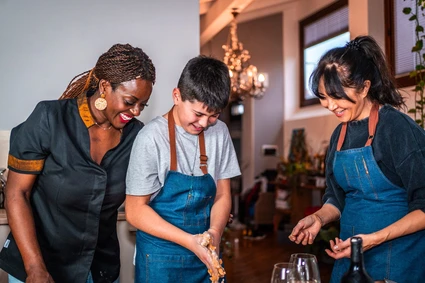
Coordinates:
(300, 200)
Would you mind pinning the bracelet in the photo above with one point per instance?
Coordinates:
(320, 219)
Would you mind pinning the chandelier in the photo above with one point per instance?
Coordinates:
(245, 79)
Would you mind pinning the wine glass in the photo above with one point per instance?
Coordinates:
(306, 267)
(282, 272)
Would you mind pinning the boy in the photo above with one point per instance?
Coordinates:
(178, 179)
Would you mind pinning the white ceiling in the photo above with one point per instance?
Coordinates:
(216, 14)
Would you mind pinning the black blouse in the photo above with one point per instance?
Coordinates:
(74, 200)
(398, 148)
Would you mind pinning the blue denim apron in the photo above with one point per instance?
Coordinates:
(372, 203)
(184, 201)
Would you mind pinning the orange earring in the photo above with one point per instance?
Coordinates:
(101, 103)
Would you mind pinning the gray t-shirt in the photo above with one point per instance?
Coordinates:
(150, 156)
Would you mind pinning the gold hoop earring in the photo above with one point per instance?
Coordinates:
(101, 103)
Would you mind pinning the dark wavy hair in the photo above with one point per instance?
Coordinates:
(121, 63)
(207, 80)
(350, 66)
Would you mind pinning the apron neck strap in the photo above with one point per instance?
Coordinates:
(373, 121)
(173, 155)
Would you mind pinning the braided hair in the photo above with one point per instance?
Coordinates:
(121, 63)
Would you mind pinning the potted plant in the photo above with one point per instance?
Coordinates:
(418, 73)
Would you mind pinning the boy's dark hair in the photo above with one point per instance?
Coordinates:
(206, 80)
(350, 66)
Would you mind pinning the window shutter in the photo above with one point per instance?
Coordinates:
(404, 37)
(326, 27)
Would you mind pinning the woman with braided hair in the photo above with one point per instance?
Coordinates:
(374, 167)
(67, 164)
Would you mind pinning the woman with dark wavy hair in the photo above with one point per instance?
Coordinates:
(374, 167)
(67, 164)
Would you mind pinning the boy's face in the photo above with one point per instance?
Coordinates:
(192, 116)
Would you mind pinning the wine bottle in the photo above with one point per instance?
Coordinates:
(357, 272)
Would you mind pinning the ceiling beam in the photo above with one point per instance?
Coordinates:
(219, 16)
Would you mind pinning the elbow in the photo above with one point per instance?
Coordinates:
(129, 216)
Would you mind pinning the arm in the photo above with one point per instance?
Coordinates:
(151, 222)
(21, 222)
(220, 211)
(307, 228)
(411, 223)
(155, 225)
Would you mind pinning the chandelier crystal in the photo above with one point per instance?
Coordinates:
(245, 79)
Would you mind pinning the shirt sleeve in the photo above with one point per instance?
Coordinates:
(30, 142)
(406, 146)
(333, 194)
(412, 173)
(142, 174)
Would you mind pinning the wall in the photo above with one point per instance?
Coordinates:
(366, 17)
(262, 119)
(317, 122)
(46, 43)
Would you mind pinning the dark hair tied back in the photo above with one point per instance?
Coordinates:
(121, 63)
(353, 45)
(350, 66)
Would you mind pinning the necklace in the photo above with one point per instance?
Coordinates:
(194, 160)
(186, 153)
(103, 128)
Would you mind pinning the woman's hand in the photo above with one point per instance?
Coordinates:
(38, 275)
(306, 230)
(340, 249)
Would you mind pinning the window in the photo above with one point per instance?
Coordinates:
(400, 40)
(326, 29)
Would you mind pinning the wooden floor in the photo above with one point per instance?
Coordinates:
(252, 260)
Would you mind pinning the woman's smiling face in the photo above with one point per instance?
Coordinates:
(344, 109)
(127, 101)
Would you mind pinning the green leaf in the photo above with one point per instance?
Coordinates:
(413, 111)
(418, 46)
(419, 29)
(413, 18)
(407, 10)
(413, 74)
(417, 88)
(419, 67)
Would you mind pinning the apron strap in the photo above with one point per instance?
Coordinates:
(341, 136)
(203, 157)
(373, 121)
(173, 155)
(172, 136)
